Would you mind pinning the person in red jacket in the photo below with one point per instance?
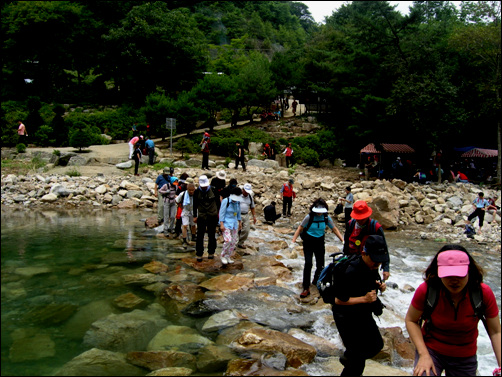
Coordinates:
(289, 154)
(288, 195)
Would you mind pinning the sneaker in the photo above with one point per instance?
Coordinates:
(210, 257)
(305, 293)
(199, 259)
(224, 260)
(230, 261)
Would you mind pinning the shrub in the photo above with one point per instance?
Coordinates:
(73, 173)
(45, 136)
(21, 148)
(307, 156)
(56, 152)
(81, 138)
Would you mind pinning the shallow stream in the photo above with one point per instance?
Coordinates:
(54, 258)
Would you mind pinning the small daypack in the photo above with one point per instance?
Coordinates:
(432, 298)
(311, 220)
(329, 279)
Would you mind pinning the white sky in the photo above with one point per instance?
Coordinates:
(321, 9)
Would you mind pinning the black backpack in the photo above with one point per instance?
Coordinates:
(329, 279)
(311, 220)
(432, 297)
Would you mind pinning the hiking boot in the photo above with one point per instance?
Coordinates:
(194, 237)
(305, 293)
(184, 243)
(199, 259)
(210, 257)
(224, 260)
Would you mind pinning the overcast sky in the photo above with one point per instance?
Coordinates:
(321, 9)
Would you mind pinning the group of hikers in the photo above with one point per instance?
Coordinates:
(444, 313)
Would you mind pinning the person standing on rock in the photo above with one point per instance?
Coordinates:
(150, 149)
(218, 183)
(448, 338)
(132, 143)
(230, 224)
(349, 201)
(288, 195)
(479, 204)
(136, 156)
(185, 200)
(161, 180)
(247, 207)
(205, 215)
(354, 304)
(359, 229)
(289, 155)
(168, 192)
(204, 147)
(239, 156)
(312, 230)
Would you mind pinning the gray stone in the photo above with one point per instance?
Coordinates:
(124, 165)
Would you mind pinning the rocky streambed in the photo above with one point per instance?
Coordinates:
(239, 320)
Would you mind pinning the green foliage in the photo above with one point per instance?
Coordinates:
(45, 137)
(81, 138)
(185, 146)
(73, 172)
(307, 156)
(56, 152)
(21, 148)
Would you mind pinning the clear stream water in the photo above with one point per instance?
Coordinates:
(68, 247)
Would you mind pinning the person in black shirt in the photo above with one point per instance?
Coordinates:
(239, 156)
(270, 214)
(355, 302)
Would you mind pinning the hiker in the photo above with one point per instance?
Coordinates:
(288, 195)
(204, 147)
(168, 192)
(247, 206)
(218, 183)
(230, 224)
(161, 180)
(312, 230)
(185, 201)
(355, 302)
(359, 228)
(479, 204)
(150, 149)
(448, 339)
(288, 152)
(349, 201)
(132, 143)
(270, 214)
(136, 156)
(239, 156)
(205, 215)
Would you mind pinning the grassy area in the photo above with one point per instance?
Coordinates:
(10, 166)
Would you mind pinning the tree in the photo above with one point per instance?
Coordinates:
(480, 46)
(155, 47)
(81, 137)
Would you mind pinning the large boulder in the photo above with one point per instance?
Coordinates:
(271, 341)
(385, 208)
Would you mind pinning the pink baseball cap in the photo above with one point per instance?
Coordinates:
(453, 263)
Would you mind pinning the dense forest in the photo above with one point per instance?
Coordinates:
(430, 79)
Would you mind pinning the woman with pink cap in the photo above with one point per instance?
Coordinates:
(448, 338)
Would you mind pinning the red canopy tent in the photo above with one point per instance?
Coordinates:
(480, 152)
(392, 148)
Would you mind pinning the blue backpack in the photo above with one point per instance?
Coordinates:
(329, 279)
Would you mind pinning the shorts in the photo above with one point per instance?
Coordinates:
(187, 218)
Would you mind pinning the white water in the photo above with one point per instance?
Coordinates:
(409, 259)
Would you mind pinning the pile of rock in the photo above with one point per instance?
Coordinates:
(440, 208)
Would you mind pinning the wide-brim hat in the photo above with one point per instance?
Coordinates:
(453, 263)
(248, 188)
(235, 198)
(320, 210)
(203, 181)
(360, 210)
(221, 174)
